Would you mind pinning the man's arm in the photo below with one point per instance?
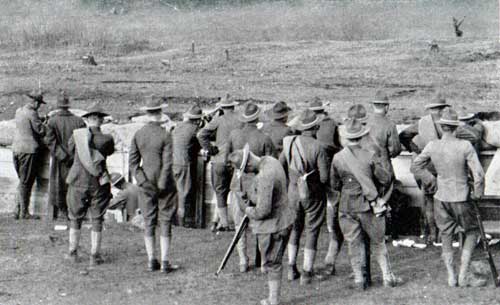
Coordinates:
(165, 179)
(335, 180)
(419, 166)
(322, 164)
(393, 143)
(269, 149)
(206, 133)
(51, 141)
(37, 125)
(134, 161)
(476, 169)
(264, 204)
(406, 136)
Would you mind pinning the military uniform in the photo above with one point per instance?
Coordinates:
(59, 129)
(453, 160)
(277, 130)
(186, 148)
(26, 154)
(472, 130)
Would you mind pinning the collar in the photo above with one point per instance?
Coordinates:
(307, 133)
(95, 129)
(155, 123)
(64, 112)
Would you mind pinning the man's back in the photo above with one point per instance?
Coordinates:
(185, 144)
(60, 129)
(385, 134)
(29, 130)
(260, 143)
(277, 130)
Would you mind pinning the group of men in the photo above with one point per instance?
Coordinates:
(288, 178)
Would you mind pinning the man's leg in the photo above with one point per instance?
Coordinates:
(335, 236)
(100, 201)
(77, 208)
(430, 222)
(241, 246)
(26, 166)
(351, 229)
(167, 204)
(181, 176)
(148, 203)
(294, 241)
(315, 212)
(221, 178)
(447, 226)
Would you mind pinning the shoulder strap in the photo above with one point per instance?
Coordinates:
(367, 184)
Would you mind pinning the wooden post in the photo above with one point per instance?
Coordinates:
(192, 48)
(227, 54)
(199, 216)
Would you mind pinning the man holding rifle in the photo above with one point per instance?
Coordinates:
(453, 160)
(265, 202)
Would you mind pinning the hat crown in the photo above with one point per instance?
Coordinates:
(195, 110)
(440, 99)
(250, 109)
(226, 100)
(308, 117)
(449, 114)
(154, 102)
(354, 126)
(62, 99)
(36, 95)
(95, 108)
(357, 111)
(316, 103)
(280, 107)
(381, 96)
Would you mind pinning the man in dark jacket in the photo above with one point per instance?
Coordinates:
(186, 148)
(304, 157)
(220, 127)
(26, 151)
(265, 202)
(59, 129)
(277, 129)
(260, 145)
(471, 130)
(150, 162)
(89, 189)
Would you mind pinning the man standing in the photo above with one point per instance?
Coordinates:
(26, 152)
(471, 130)
(265, 202)
(220, 127)
(328, 136)
(59, 129)
(186, 148)
(453, 160)
(260, 145)
(355, 173)
(89, 183)
(277, 129)
(150, 162)
(414, 139)
(306, 164)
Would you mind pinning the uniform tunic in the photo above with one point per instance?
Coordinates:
(59, 130)
(277, 130)
(150, 161)
(384, 133)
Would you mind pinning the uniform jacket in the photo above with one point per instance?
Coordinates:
(152, 145)
(426, 129)
(78, 176)
(453, 159)
(315, 159)
(328, 135)
(271, 212)
(385, 135)
(342, 179)
(29, 130)
(472, 133)
(260, 145)
(277, 130)
(185, 143)
(220, 127)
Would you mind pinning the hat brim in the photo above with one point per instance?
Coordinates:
(98, 113)
(118, 180)
(193, 116)
(448, 122)
(466, 117)
(273, 115)
(246, 156)
(155, 108)
(244, 118)
(232, 104)
(437, 105)
(307, 126)
(379, 102)
(357, 135)
(36, 98)
(317, 108)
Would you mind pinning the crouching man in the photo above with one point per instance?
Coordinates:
(356, 174)
(453, 159)
(271, 219)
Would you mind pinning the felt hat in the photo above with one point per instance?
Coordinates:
(449, 117)
(308, 120)
(354, 129)
(116, 178)
(62, 100)
(279, 110)
(95, 109)
(194, 113)
(36, 96)
(439, 101)
(358, 112)
(250, 112)
(317, 105)
(227, 101)
(154, 104)
(466, 116)
(381, 98)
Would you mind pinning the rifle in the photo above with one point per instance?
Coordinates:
(486, 246)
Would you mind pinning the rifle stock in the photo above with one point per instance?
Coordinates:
(241, 230)
(486, 246)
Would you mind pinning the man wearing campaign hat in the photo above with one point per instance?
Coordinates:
(219, 128)
(453, 160)
(260, 145)
(265, 202)
(414, 138)
(26, 147)
(60, 128)
(470, 129)
(306, 164)
(89, 183)
(277, 129)
(185, 152)
(150, 162)
(125, 195)
(355, 173)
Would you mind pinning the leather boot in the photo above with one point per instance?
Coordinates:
(448, 262)
(390, 280)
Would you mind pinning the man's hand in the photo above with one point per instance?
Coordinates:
(213, 150)
(242, 199)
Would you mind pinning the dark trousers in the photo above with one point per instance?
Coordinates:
(80, 200)
(185, 178)
(157, 208)
(221, 180)
(26, 166)
(272, 248)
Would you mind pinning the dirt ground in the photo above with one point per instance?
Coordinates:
(33, 272)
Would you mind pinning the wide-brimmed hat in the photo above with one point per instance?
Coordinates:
(62, 100)
(381, 98)
(116, 178)
(95, 109)
(358, 112)
(466, 116)
(227, 101)
(317, 105)
(194, 113)
(354, 129)
(449, 117)
(279, 110)
(308, 120)
(439, 101)
(154, 104)
(36, 96)
(250, 112)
